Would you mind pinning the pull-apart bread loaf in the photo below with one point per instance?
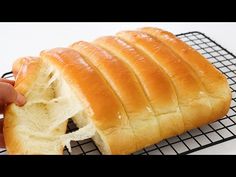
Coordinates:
(126, 92)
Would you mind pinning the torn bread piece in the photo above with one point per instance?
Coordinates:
(40, 125)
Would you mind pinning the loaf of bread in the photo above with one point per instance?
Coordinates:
(126, 92)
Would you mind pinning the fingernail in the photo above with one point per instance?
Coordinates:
(20, 100)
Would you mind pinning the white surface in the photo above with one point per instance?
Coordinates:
(23, 39)
(28, 39)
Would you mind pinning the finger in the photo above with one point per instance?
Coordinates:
(7, 81)
(9, 95)
(2, 142)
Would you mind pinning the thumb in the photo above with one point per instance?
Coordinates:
(20, 99)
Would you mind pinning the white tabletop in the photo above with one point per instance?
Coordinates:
(28, 39)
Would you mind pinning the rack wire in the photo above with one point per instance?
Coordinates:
(196, 139)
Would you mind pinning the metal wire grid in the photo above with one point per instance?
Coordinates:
(196, 139)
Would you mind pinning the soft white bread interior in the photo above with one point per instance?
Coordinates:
(39, 126)
(125, 92)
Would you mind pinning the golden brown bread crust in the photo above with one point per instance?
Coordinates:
(144, 125)
(72, 64)
(21, 62)
(22, 68)
(154, 81)
(17, 65)
(215, 83)
(102, 104)
(190, 93)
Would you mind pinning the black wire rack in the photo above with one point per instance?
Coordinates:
(196, 139)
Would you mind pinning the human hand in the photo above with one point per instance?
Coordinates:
(8, 95)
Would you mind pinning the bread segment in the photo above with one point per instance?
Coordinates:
(214, 82)
(191, 96)
(123, 81)
(155, 82)
(102, 105)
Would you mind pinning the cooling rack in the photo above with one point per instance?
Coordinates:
(196, 139)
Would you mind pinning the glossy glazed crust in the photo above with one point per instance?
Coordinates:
(25, 72)
(21, 62)
(157, 86)
(126, 86)
(105, 110)
(191, 95)
(214, 82)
